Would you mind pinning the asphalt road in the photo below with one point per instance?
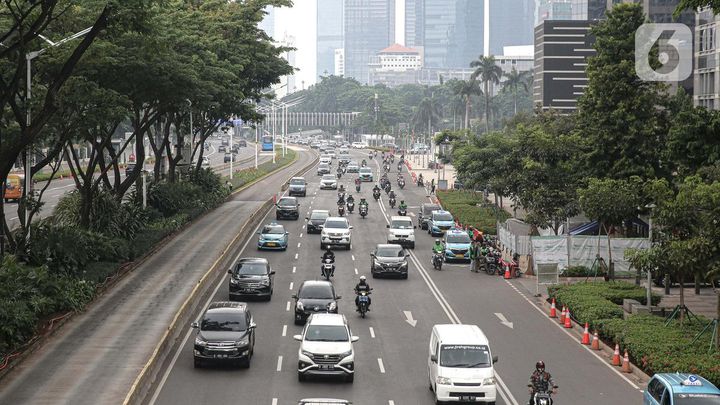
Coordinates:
(58, 187)
(391, 355)
(95, 358)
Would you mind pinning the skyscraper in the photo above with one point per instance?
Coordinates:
(451, 31)
(329, 35)
(268, 23)
(413, 23)
(512, 23)
(369, 28)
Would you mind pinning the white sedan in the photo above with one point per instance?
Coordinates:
(328, 182)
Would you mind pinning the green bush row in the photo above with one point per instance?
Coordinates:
(248, 175)
(470, 208)
(614, 292)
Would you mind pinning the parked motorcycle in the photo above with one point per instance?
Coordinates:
(437, 260)
(327, 269)
(363, 302)
(491, 265)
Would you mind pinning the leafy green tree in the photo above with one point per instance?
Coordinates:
(696, 4)
(427, 112)
(619, 113)
(514, 81)
(466, 89)
(488, 71)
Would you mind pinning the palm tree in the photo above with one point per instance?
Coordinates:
(513, 81)
(466, 89)
(427, 112)
(488, 71)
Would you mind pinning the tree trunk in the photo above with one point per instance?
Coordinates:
(85, 205)
(682, 301)
(515, 100)
(467, 113)
(698, 280)
(487, 107)
(717, 316)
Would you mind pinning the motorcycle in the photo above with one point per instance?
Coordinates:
(399, 167)
(364, 163)
(341, 210)
(387, 168)
(339, 174)
(490, 264)
(363, 302)
(420, 182)
(401, 184)
(376, 195)
(392, 202)
(327, 269)
(388, 187)
(350, 207)
(402, 212)
(437, 260)
(363, 211)
(542, 397)
(357, 188)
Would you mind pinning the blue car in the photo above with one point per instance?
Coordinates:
(439, 222)
(273, 237)
(680, 389)
(457, 245)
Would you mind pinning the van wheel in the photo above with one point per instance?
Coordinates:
(301, 377)
(196, 363)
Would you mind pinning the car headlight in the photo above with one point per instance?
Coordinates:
(377, 263)
(346, 354)
(443, 380)
(332, 306)
(243, 342)
(265, 282)
(404, 264)
(299, 306)
(489, 381)
(233, 280)
(306, 353)
(200, 341)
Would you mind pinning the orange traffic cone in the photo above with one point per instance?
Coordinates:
(626, 368)
(562, 314)
(595, 342)
(586, 335)
(553, 310)
(507, 275)
(568, 324)
(616, 356)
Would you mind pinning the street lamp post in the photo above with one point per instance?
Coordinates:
(649, 273)
(28, 116)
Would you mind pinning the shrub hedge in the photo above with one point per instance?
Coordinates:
(470, 208)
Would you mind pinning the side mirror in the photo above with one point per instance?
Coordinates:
(286, 232)
(298, 338)
(387, 226)
(414, 226)
(194, 325)
(495, 359)
(407, 255)
(272, 272)
(307, 219)
(253, 325)
(338, 297)
(433, 358)
(230, 271)
(354, 338)
(351, 227)
(294, 296)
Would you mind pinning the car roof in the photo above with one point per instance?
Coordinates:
(252, 260)
(327, 319)
(319, 212)
(679, 383)
(273, 225)
(440, 212)
(288, 198)
(460, 334)
(400, 218)
(336, 219)
(388, 246)
(298, 178)
(456, 232)
(365, 168)
(226, 307)
(328, 177)
(316, 282)
(435, 207)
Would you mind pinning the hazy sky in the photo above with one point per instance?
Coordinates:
(300, 22)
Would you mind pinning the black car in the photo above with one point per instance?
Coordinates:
(226, 158)
(226, 333)
(314, 296)
(287, 207)
(389, 260)
(297, 186)
(251, 277)
(242, 143)
(425, 212)
(316, 220)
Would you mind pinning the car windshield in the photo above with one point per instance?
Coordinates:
(326, 333)
(324, 166)
(458, 238)
(223, 322)
(400, 224)
(428, 209)
(443, 217)
(336, 224)
(319, 215)
(366, 171)
(317, 292)
(696, 399)
(273, 229)
(464, 356)
(297, 182)
(328, 177)
(390, 251)
(251, 269)
(288, 202)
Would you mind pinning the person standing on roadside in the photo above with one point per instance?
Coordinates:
(474, 253)
(432, 186)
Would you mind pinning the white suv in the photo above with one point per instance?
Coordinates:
(336, 232)
(401, 231)
(326, 348)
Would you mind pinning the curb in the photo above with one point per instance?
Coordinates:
(149, 373)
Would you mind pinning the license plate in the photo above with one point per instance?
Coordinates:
(272, 244)
(459, 256)
(467, 398)
(221, 356)
(327, 367)
(247, 290)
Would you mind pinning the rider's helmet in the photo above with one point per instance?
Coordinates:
(362, 279)
(540, 366)
(402, 201)
(437, 240)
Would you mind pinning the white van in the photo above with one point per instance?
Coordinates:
(460, 364)
(401, 231)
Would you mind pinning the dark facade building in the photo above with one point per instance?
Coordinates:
(369, 28)
(329, 35)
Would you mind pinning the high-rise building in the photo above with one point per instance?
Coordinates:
(452, 32)
(329, 35)
(511, 24)
(340, 62)
(287, 83)
(555, 10)
(413, 23)
(268, 23)
(707, 60)
(369, 28)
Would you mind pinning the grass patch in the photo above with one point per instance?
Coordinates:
(245, 176)
(470, 208)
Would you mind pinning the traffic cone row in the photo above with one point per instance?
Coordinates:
(553, 310)
(568, 321)
(563, 313)
(626, 368)
(586, 335)
(595, 342)
(616, 356)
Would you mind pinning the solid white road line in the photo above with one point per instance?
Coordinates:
(372, 332)
(287, 306)
(381, 365)
(391, 402)
(279, 364)
(291, 285)
(284, 333)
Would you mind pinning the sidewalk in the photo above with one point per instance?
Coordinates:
(416, 166)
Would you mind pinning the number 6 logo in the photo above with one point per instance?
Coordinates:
(673, 45)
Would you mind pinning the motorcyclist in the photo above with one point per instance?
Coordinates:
(362, 285)
(438, 247)
(402, 205)
(357, 181)
(363, 202)
(341, 199)
(376, 188)
(328, 255)
(391, 194)
(540, 381)
(341, 190)
(350, 199)
(420, 179)
(364, 163)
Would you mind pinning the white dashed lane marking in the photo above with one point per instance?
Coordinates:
(291, 285)
(372, 332)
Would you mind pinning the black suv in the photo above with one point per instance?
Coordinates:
(389, 259)
(251, 277)
(287, 207)
(226, 332)
(314, 296)
(316, 220)
(425, 213)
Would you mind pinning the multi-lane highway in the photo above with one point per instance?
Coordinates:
(391, 355)
(59, 187)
